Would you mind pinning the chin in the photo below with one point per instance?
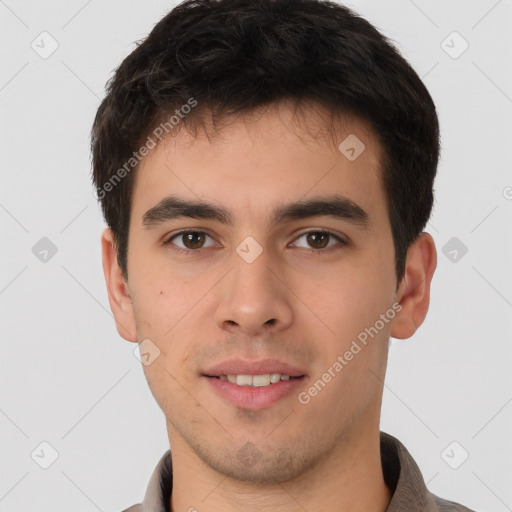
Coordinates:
(255, 464)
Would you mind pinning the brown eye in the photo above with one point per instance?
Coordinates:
(318, 240)
(189, 241)
(193, 240)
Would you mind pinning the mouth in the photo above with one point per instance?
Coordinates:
(254, 385)
(255, 381)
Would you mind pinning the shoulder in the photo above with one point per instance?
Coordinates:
(134, 508)
(402, 474)
(449, 506)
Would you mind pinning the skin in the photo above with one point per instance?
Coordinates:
(211, 305)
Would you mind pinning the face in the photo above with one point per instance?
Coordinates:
(266, 272)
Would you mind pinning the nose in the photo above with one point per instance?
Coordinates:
(254, 298)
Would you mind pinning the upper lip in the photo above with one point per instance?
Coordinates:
(241, 367)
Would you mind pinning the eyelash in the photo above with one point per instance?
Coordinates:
(190, 252)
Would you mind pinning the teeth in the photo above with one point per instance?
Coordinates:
(260, 380)
(255, 380)
(244, 380)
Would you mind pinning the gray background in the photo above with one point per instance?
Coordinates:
(68, 379)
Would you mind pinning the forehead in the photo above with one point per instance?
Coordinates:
(265, 158)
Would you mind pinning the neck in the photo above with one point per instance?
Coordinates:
(349, 478)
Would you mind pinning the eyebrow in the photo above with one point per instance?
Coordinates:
(336, 206)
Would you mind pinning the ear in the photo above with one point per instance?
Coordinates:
(118, 290)
(414, 291)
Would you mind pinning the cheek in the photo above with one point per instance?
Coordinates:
(349, 298)
(352, 308)
(157, 308)
(171, 316)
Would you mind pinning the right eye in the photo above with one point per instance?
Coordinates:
(192, 240)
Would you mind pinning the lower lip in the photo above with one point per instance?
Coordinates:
(255, 398)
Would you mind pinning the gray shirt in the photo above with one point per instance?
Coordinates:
(401, 474)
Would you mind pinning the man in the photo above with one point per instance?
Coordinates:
(266, 170)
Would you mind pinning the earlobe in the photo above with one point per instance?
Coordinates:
(117, 288)
(414, 291)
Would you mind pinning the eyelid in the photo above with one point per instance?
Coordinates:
(306, 231)
(167, 239)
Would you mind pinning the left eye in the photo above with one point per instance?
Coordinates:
(319, 239)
